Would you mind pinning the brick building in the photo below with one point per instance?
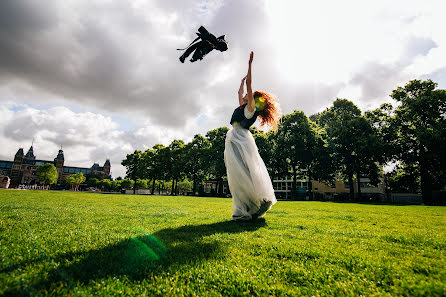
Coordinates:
(23, 169)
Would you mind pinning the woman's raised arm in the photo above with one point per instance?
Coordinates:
(251, 104)
(240, 92)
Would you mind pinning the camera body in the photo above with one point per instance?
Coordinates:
(207, 43)
(217, 43)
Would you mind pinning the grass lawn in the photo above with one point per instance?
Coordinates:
(78, 244)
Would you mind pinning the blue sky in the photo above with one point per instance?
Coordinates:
(102, 77)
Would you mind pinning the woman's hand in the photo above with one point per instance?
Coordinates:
(242, 85)
(240, 91)
(251, 57)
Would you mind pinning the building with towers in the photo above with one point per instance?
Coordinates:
(23, 169)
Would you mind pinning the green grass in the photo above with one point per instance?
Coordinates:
(77, 244)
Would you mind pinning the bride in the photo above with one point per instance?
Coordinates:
(248, 179)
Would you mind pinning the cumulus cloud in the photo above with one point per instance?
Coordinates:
(377, 80)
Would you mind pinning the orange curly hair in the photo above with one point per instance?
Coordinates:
(270, 115)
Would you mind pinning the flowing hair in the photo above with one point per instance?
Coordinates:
(270, 115)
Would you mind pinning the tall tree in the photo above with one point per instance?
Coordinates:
(134, 167)
(47, 174)
(150, 167)
(177, 162)
(382, 122)
(127, 183)
(217, 138)
(161, 164)
(300, 141)
(75, 180)
(338, 121)
(420, 122)
(366, 151)
(403, 179)
(117, 185)
(197, 160)
(141, 184)
(265, 146)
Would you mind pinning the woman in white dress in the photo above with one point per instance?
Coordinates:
(249, 181)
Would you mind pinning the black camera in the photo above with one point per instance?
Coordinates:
(207, 43)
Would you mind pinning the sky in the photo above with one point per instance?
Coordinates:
(102, 78)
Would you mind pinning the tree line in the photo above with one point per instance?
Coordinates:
(340, 142)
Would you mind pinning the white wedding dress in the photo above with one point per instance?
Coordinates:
(248, 179)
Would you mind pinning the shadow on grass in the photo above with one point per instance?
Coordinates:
(138, 257)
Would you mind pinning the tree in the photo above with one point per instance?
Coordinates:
(300, 143)
(106, 184)
(196, 160)
(382, 122)
(366, 151)
(134, 166)
(93, 182)
(177, 161)
(47, 174)
(403, 179)
(141, 184)
(217, 167)
(185, 185)
(116, 185)
(74, 180)
(127, 183)
(265, 146)
(338, 121)
(150, 166)
(161, 164)
(420, 125)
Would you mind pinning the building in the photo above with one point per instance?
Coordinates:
(210, 187)
(23, 169)
(339, 190)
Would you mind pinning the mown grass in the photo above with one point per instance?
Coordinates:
(77, 244)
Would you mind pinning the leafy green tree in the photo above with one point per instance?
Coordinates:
(278, 165)
(367, 148)
(300, 143)
(161, 165)
(185, 185)
(177, 162)
(403, 179)
(321, 166)
(74, 180)
(150, 167)
(47, 174)
(355, 140)
(134, 166)
(217, 167)
(265, 146)
(382, 122)
(420, 125)
(141, 184)
(127, 183)
(196, 159)
(106, 184)
(93, 182)
(339, 122)
(116, 185)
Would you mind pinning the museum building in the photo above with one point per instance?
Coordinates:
(23, 169)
